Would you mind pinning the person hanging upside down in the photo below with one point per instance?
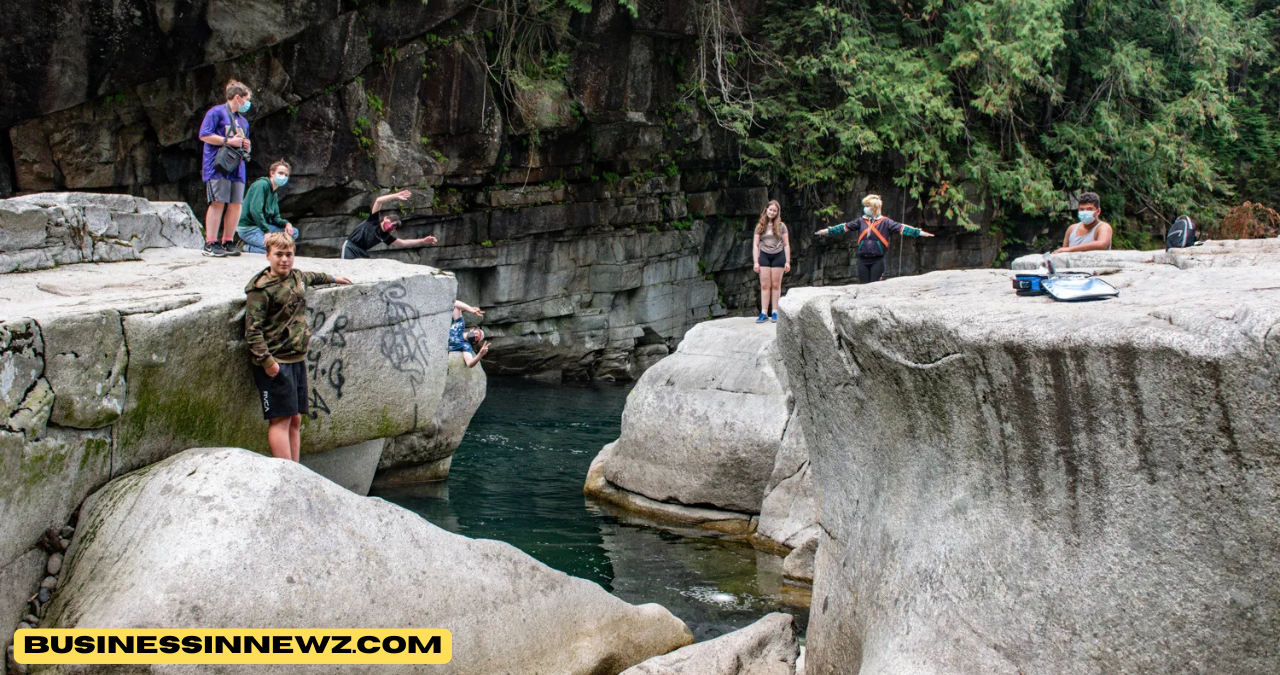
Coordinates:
(873, 237)
(470, 342)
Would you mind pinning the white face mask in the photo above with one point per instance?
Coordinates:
(868, 211)
(1085, 217)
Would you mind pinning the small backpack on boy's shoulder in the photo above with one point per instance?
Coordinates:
(1181, 234)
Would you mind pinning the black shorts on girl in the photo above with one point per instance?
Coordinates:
(284, 395)
(778, 259)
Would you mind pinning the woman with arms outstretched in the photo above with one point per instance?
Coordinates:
(873, 237)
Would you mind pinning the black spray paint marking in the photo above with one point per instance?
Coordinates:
(404, 344)
(325, 361)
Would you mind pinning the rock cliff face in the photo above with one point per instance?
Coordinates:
(1017, 485)
(106, 368)
(599, 214)
(153, 549)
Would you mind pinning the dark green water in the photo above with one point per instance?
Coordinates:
(517, 477)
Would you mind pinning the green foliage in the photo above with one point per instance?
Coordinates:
(1009, 107)
(361, 130)
(486, 243)
(375, 103)
(684, 224)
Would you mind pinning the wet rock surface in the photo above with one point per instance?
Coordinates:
(1014, 484)
(188, 519)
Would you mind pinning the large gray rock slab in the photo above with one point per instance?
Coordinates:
(43, 230)
(422, 456)
(105, 368)
(766, 647)
(196, 541)
(1013, 484)
(376, 366)
(636, 507)
(703, 426)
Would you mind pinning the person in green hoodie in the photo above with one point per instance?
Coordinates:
(260, 214)
(275, 326)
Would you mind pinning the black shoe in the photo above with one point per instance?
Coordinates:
(230, 248)
(214, 249)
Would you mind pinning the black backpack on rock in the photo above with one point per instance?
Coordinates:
(1181, 234)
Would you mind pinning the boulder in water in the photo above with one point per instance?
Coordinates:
(703, 426)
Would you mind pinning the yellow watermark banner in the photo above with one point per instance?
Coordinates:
(232, 646)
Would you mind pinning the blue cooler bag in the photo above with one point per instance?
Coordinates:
(1030, 284)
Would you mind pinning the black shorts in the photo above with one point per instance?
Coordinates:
(284, 395)
(778, 259)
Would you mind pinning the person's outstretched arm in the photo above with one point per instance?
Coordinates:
(908, 231)
(460, 306)
(835, 229)
(393, 197)
(414, 242)
(322, 279)
(472, 359)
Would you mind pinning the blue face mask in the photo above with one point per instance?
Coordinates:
(1085, 217)
(868, 211)
(244, 107)
(281, 181)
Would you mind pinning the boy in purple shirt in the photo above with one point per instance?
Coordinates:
(224, 125)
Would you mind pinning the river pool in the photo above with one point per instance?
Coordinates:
(517, 477)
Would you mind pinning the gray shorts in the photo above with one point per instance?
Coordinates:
(224, 190)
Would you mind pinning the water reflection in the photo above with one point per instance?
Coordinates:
(518, 478)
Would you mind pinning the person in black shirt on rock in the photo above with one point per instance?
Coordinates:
(379, 228)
